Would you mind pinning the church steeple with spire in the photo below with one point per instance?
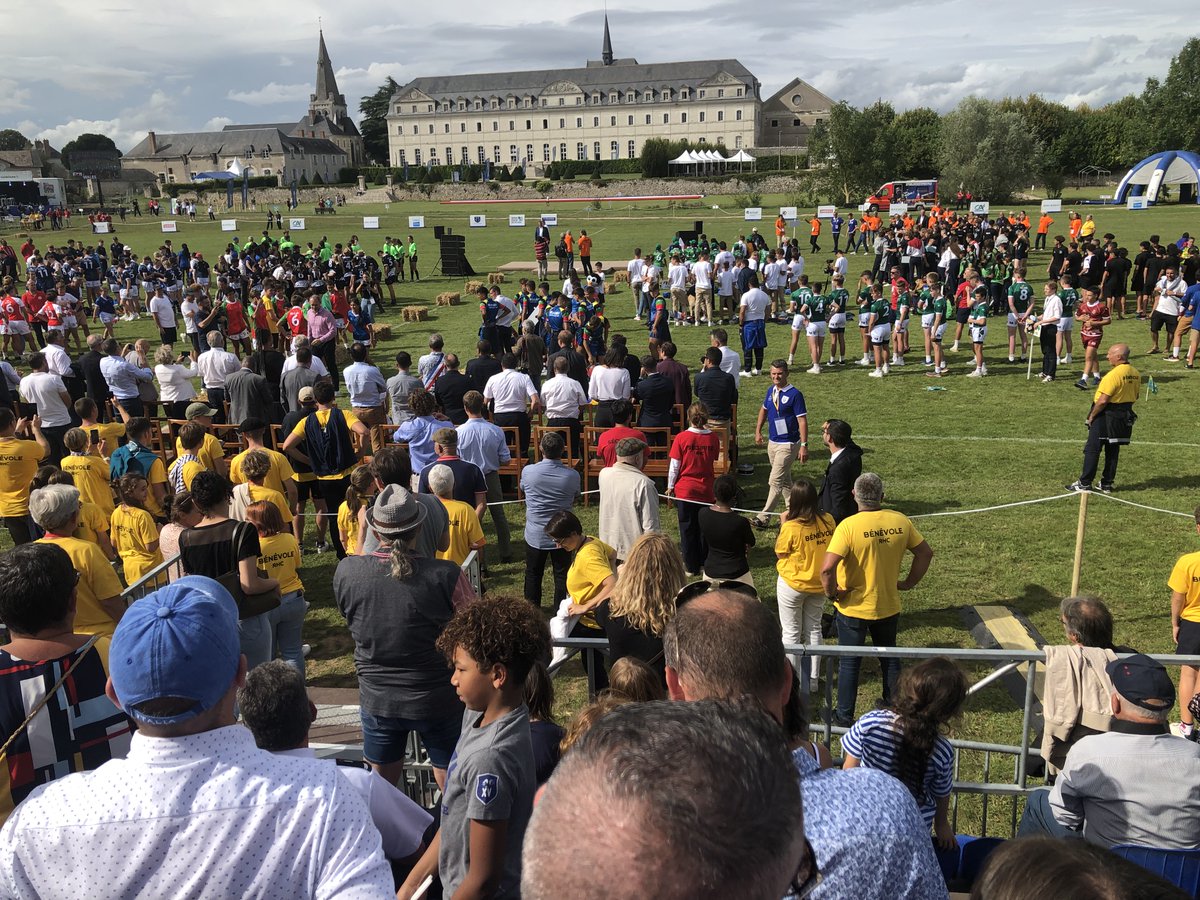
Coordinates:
(606, 54)
(327, 101)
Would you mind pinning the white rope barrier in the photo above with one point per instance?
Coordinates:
(1169, 512)
(983, 509)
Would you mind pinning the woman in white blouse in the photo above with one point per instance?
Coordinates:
(176, 390)
(609, 381)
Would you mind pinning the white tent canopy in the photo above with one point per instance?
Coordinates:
(741, 157)
(683, 159)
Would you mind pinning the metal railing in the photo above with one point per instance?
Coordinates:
(154, 579)
(976, 763)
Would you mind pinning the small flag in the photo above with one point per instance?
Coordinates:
(1151, 386)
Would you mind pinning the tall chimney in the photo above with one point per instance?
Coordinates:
(153, 142)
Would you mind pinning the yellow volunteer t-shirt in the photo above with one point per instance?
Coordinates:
(110, 432)
(322, 420)
(93, 522)
(281, 470)
(800, 549)
(872, 545)
(465, 530)
(209, 453)
(1185, 579)
(593, 564)
(18, 462)
(280, 558)
(132, 533)
(97, 581)
(347, 523)
(262, 492)
(1122, 384)
(92, 479)
(158, 475)
(190, 470)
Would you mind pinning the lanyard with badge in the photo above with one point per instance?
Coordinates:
(779, 428)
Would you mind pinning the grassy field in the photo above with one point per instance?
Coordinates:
(978, 443)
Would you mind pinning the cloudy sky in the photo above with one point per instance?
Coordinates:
(191, 65)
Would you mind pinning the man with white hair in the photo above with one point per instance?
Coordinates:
(216, 364)
(1135, 784)
(628, 498)
(466, 532)
(861, 577)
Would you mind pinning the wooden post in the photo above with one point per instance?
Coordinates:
(1078, 564)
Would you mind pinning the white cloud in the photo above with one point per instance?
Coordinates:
(272, 93)
(13, 98)
(216, 123)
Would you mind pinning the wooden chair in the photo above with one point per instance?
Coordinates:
(681, 416)
(593, 462)
(512, 437)
(658, 456)
(722, 464)
(229, 437)
(277, 437)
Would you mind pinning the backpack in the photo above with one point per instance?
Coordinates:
(131, 458)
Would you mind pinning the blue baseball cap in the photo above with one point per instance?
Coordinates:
(180, 641)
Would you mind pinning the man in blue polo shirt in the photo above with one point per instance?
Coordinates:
(784, 411)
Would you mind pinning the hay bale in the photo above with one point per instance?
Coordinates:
(381, 330)
(621, 277)
(472, 286)
(416, 313)
(496, 278)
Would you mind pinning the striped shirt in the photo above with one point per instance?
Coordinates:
(875, 740)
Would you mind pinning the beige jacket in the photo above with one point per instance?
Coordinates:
(1077, 699)
(628, 507)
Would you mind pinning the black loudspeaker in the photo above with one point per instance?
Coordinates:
(688, 236)
(439, 231)
(453, 249)
(698, 227)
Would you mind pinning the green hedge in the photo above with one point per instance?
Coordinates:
(198, 187)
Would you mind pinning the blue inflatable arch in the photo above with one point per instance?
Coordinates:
(1168, 167)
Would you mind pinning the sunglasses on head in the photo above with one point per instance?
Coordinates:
(807, 876)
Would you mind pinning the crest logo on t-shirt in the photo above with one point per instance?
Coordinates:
(486, 787)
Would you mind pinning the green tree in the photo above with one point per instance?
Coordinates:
(88, 142)
(1174, 105)
(856, 151)
(988, 150)
(656, 153)
(11, 139)
(374, 109)
(916, 135)
(1060, 131)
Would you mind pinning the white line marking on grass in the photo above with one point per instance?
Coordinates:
(1008, 440)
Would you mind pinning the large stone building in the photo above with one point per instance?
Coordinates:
(788, 115)
(606, 110)
(322, 143)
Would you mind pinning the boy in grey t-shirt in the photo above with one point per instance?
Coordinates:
(491, 779)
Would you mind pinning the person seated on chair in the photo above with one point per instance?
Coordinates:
(1137, 783)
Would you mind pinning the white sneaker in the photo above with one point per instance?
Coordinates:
(928, 361)
(877, 373)
(982, 371)
(864, 362)
(708, 323)
(885, 369)
(637, 318)
(1067, 358)
(790, 360)
(744, 373)
(1013, 359)
(815, 370)
(974, 373)
(305, 649)
(753, 372)
(898, 361)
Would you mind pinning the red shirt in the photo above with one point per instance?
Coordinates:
(962, 295)
(52, 313)
(608, 442)
(1096, 310)
(33, 301)
(296, 321)
(340, 306)
(697, 453)
(236, 314)
(11, 309)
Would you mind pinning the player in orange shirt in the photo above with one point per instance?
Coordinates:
(1043, 229)
(1075, 226)
(780, 230)
(814, 234)
(585, 252)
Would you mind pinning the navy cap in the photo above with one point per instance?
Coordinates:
(181, 642)
(1143, 682)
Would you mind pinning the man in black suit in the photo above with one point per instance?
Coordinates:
(450, 390)
(845, 465)
(541, 231)
(576, 361)
(483, 366)
(96, 385)
(656, 394)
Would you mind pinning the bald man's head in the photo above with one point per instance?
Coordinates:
(675, 801)
(724, 646)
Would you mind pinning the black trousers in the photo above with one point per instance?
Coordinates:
(216, 399)
(19, 531)
(518, 420)
(1097, 440)
(535, 568)
(333, 492)
(575, 427)
(1047, 337)
(695, 550)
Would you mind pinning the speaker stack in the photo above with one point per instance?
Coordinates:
(453, 249)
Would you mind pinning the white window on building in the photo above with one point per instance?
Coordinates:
(720, 93)
(631, 120)
(701, 115)
(562, 151)
(462, 127)
(529, 152)
(431, 128)
(614, 150)
(737, 142)
(512, 126)
(480, 154)
(462, 105)
(737, 92)
(495, 125)
(647, 118)
(579, 101)
(545, 153)
(417, 156)
(562, 101)
(595, 99)
(632, 150)
(414, 109)
(596, 150)
(578, 121)
(581, 150)
(545, 124)
(612, 121)
(466, 154)
(720, 115)
(433, 158)
(666, 118)
(529, 125)
(545, 102)
(683, 118)
(449, 156)
(737, 115)
(416, 130)
(478, 103)
(595, 121)
(400, 158)
(612, 97)
(683, 93)
(701, 93)
(496, 153)
(447, 128)
(562, 123)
